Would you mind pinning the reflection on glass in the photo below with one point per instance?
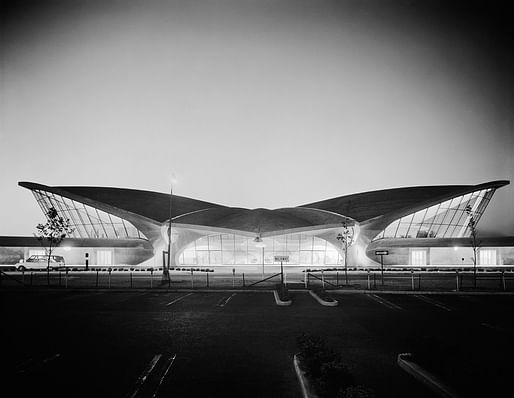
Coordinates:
(241, 250)
(87, 221)
(443, 220)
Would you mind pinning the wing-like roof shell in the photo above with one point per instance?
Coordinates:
(368, 205)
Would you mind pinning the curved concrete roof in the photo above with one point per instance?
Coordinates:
(367, 205)
(262, 221)
(154, 206)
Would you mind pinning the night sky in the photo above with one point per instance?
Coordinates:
(255, 103)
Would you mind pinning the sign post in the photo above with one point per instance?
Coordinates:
(282, 259)
(382, 253)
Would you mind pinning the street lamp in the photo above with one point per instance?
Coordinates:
(166, 272)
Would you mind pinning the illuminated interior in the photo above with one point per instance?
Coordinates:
(447, 219)
(87, 221)
(230, 249)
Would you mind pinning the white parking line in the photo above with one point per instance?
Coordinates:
(153, 376)
(178, 299)
(78, 296)
(384, 302)
(496, 328)
(223, 302)
(32, 364)
(141, 379)
(166, 370)
(433, 302)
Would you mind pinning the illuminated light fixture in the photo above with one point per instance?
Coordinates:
(67, 248)
(259, 242)
(455, 248)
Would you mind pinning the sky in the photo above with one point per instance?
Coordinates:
(255, 103)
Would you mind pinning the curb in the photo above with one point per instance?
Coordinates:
(280, 302)
(323, 302)
(405, 362)
(304, 383)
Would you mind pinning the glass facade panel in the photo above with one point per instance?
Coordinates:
(215, 242)
(487, 257)
(402, 230)
(447, 219)
(418, 257)
(215, 257)
(318, 257)
(306, 257)
(390, 231)
(242, 250)
(294, 257)
(331, 257)
(87, 221)
(419, 216)
(202, 243)
(305, 242)
(254, 257)
(240, 257)
(268, 258)
(228, 257)
(104, 257)
(319, 244)
(227, 242)
(202, 257)
(189, 257)
(293, 243)
(280, 245)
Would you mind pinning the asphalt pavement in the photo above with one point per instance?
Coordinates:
(240, 344)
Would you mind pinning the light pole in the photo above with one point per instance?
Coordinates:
(166, 271)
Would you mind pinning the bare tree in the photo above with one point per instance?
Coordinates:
(53, 231)
(346, 238)
(475, 242)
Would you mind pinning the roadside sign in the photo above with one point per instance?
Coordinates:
(284, 259)
(381, 252)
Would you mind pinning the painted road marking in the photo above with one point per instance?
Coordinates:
(150, 381)
(384, 302)
(496, 328)
(166, 370)
(433, 302)
(143, 376)
(79, 296)
(224, 301)
(178, 299)
(31, 364)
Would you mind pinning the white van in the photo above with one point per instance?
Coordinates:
(40, 261)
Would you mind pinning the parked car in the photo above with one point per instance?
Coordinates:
(40, 261)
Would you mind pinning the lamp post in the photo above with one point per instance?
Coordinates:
(166, 271)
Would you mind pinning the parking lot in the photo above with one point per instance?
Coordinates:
(226, 343)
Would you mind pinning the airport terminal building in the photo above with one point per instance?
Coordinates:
(418, 226)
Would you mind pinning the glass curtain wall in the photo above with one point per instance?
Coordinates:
(447, 219)
(230, 249)
(87, 221)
